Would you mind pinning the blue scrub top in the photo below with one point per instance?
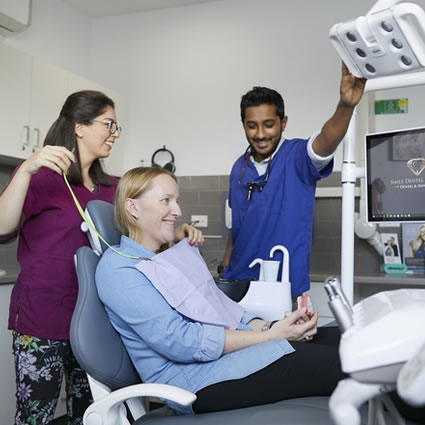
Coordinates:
(281, 214)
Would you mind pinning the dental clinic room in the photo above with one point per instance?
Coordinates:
(273, 151)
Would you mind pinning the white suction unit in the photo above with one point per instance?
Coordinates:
(14, 16)
(384, 42)
(387, 331)
(269, 297)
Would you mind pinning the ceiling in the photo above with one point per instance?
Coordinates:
(101, 8)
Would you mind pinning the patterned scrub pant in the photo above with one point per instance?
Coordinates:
(40, 365)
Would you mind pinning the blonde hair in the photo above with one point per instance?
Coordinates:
(419, 239)
(133, 184)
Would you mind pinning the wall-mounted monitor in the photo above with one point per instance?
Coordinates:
(395, 176)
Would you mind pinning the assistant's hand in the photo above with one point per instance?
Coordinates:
(57, 158)
(193, 234)
(295, 327)
(351, 88)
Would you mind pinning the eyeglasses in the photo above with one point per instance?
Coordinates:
(112, 126)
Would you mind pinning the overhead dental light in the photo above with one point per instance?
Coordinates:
(388, 40)
(391, 39)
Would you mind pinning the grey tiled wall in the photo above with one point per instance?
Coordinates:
(206, 194)
(326, 247)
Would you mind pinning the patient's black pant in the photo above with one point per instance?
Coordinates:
(313, 369)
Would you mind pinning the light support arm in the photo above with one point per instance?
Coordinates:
(350, 172)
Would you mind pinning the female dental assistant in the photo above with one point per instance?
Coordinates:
(38, 206)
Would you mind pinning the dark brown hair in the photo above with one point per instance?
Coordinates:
(82, 106)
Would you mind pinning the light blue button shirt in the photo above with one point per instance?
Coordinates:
(165, 346)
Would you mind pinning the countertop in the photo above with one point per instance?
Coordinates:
(370, 278)
(377, 278)
(10, 276)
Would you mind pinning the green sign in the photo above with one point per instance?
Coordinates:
(391, 106)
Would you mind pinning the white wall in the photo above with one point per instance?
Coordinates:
(413, 118)
(58, 34)
(185, 69)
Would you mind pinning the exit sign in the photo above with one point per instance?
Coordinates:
(391, 106)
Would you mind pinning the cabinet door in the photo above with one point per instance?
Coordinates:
(15, 88)
(114, 164)
(49, 87)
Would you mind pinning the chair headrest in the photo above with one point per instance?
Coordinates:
(95, 343)
(102, 215)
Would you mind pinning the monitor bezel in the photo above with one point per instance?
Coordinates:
(390, 220)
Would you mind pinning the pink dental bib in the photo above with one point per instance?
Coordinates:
(182, 277)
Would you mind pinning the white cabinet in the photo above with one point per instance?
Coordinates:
(32, 93)
(49, 86)
(15, 88)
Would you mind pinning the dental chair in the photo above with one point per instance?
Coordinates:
(382, 349)
(113, 379)
(115, 383)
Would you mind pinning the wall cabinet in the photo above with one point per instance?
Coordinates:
(32, 95)
(15, 88)
(49, 88)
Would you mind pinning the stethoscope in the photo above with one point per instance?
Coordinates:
(253, 185)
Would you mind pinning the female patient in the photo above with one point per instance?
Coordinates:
(227, 368)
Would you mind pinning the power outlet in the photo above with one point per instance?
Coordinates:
(199, 220)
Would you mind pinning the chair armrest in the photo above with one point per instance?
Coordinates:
(109, 410)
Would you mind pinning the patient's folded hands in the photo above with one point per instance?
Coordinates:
(300, 325)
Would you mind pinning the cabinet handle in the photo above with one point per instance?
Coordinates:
(36, 145)
(27, 137)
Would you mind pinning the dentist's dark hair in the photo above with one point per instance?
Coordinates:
(80, 107)
(260, 96)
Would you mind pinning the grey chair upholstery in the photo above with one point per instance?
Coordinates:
(101, 214)
(101, 353)
(95, 343)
